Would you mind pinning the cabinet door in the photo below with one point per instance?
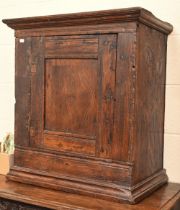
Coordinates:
(72, 94)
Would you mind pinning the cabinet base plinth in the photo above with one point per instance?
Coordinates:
(116, 193)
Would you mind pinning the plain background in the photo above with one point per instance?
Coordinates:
(167, 10)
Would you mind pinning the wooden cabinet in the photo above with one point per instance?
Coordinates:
(89, 114)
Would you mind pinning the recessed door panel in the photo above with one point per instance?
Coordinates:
(71, 96)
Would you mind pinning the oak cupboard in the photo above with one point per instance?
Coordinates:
(89, 114)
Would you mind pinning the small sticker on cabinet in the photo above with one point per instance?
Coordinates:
(21, 40)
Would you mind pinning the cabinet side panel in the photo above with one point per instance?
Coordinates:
(22, 91)
(150, 101)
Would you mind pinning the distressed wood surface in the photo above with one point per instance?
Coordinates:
(123, 113)
(37, 86)
(107, 68)
(149, 105)
(91, 18)
(75, 87)
(166, 198)
(80, 30)
(90, 94)
(22, 91)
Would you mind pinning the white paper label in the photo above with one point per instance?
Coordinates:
(21, 40)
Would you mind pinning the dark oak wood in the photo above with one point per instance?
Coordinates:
(90, 93)
(32, 197)
(149, 102)
(23, 88)
(91, 18)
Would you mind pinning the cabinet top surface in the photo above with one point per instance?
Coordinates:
(91, 18)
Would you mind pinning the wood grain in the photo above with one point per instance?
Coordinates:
(69, 144)
(79, 168)
(150, 106)
(166, 198)
(78, 30)
(107, 57)
(37, 87)
(71, 47)
(123, 112)
(89, 18)
(90, 97)
(70, 84)
(22, 91)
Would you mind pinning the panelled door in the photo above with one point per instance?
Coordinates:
(72, 94)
